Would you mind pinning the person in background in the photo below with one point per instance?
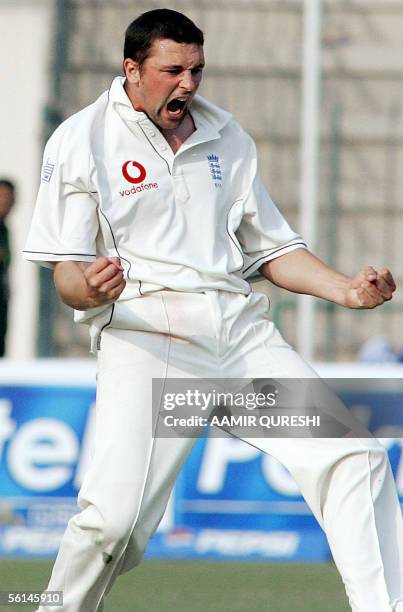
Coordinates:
(377, 349)
(7, 198)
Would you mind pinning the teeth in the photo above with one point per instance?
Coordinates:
(177, 105)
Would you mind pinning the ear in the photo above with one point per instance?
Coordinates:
(131, 70)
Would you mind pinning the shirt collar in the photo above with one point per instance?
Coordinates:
(202, 110)
(118, 96)
(209, 114)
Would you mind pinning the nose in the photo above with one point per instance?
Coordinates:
(189, 81)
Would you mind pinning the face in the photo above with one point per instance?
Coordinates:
(167, 81)
(6, 200)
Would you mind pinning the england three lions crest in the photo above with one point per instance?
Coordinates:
(215, 169)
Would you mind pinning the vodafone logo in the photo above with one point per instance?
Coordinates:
(133, 172)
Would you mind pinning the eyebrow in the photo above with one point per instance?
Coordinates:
(179, 67)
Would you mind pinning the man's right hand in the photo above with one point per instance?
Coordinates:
(104, 278)
(84, 285)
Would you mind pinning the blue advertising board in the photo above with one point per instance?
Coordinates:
(231, 501)
(235, 502)
(45, 446)
(243, 504)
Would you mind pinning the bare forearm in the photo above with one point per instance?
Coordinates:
(83, 285)
(302, 272)
(71, 285)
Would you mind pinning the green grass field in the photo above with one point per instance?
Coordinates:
(192, 586)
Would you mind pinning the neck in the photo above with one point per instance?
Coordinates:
(177, 136)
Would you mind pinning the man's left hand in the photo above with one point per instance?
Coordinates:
(370, 288)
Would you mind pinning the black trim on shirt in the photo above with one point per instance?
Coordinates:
(287, 246)
(240, 269)
(61, 254)
(151, 144)
(116, 248)
(104, 327)
(232, 240)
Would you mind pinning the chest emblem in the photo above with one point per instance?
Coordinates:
(137, 172)
(215, 169)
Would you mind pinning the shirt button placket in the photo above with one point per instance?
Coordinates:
(182, 193)
(157, 141)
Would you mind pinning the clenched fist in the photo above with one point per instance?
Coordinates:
(370, 288)
(83, 285)
(105, 279)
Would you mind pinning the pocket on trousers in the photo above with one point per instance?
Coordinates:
(141, 314)
(98, 324)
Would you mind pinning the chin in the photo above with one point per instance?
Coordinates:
(170, 125)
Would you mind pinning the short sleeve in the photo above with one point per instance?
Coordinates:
(263, 233)
(65, 221)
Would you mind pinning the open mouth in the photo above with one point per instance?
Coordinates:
(176, 106)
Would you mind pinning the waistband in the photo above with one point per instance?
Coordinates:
(177, 313)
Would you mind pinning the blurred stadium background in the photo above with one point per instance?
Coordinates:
(61, 54)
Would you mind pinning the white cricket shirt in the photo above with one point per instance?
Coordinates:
(194, 221)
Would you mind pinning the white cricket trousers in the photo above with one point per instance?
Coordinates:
(347, 482)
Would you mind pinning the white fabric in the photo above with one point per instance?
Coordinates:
(347, 482)
(198, 220)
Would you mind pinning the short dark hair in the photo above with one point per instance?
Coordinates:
(6, 183)
(156, 24)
